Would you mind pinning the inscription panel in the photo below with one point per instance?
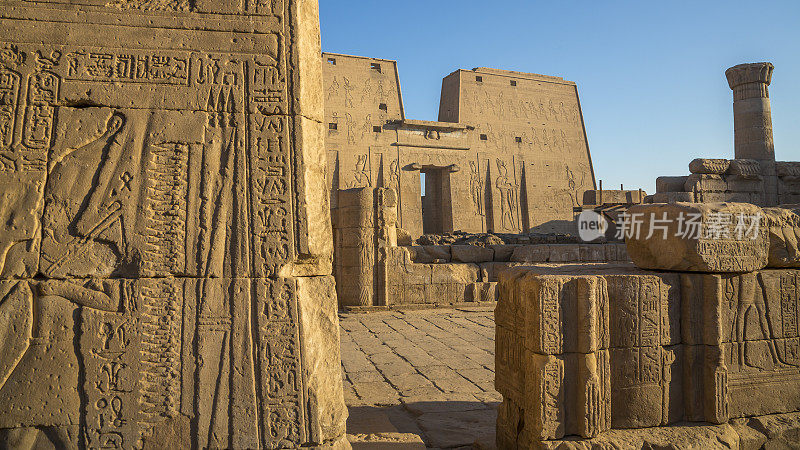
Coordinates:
(151, 193)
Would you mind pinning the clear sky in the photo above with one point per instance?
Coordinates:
(650, 73)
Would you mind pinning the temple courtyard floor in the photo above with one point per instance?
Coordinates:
(415, 376)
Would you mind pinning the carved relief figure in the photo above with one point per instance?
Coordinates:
(333, 89)
(81, 238)
(84, 207)
(476, 188)
(394, 175)
(361, 174)
(348, 93)
(573, 194)
(508, 197)
(751, 299)
(351, 125)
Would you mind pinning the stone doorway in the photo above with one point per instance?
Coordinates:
(437, 210)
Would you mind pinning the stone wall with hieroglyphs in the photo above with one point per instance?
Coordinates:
(510, 149)
(530, 140)
(165, 259)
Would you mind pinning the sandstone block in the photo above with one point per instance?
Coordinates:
(565, 253)
(593, 253)
(709, 166)
(753, 185)
(787, 169)
(671, 184)
(711, 243)
(471, 254)
(454, 273)
(682, 347)
(784, 234)
(531, 253)
(705, 182)
(746, 168)
(430, 253)
(503, 253)
(673, 197)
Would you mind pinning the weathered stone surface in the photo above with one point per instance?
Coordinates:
(430, 253)
(457, 429)
(714, 243)
(672, 197)
(503, 253)
(165, 278)
(708, 166)
(681, 347)
(784, 234)
(471, 254)
(705, 182)
(386, 441)
(531, 253)
(670, 184)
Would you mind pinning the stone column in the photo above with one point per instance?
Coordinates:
(752, 116)
(752, 122)
(355, 256)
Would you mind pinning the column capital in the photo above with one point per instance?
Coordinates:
(753, 73)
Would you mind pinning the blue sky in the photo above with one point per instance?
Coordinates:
(650, 74)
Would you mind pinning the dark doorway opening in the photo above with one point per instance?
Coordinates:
(437, 208)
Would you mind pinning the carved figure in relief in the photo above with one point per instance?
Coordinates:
(508, 197)
(86, 194)
(83, 209)
(361, 174)
(394, 175)
(366, 127)
(752, 299)
(573, 191)
(333, 89)
(476, 187)
(348, 93)
(351, 128)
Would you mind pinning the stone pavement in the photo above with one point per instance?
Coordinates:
(427, 372)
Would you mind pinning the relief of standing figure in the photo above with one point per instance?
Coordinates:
(508, 197)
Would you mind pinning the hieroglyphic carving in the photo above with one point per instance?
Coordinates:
(162, 160)
(166, 197)
(43, 93)
(551, 339)
(129, 66)
(280, 377)
(278, 369)
(10, 58)
(271, 170)
(110, 345)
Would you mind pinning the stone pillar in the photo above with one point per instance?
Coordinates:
(752, 115)
(165, 236)
(355, 248)
(752, 122)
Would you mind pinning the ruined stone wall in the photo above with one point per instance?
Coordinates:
(585, 350)
(165, 251)
(703, 329)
